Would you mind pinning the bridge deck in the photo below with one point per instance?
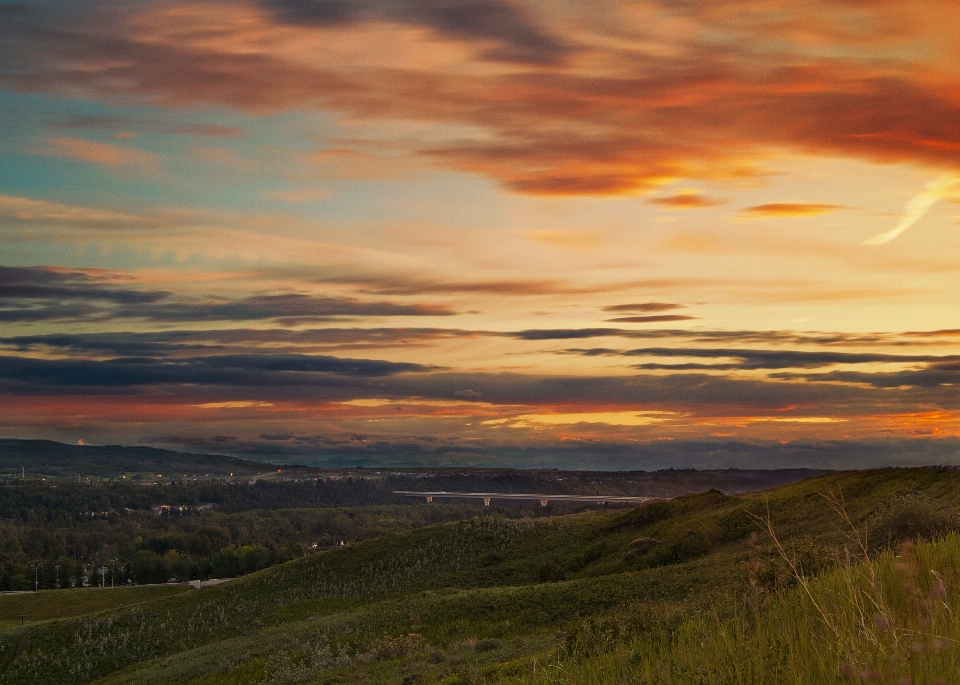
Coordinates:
(603, 499)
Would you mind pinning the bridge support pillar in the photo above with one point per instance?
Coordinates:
(543, 503)
(429, 498)
(486, 501)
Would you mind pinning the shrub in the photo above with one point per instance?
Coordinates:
(548, 572)
(909, 517)
(488, 645)
(640, 545)
(650, 553)
(642, 516)
(736, 525)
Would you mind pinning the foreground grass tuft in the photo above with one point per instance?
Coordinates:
(892, 620)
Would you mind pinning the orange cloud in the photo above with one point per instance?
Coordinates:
(657, 318)
(790, 210)
(643, 307)
(574, 240)
(103, 154)
(612, 418)
(29, 211)
(689, 199)
(542, 104)
(349, 163)
(298, 196)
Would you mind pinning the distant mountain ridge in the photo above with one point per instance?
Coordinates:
(47, 458)
(59, 460)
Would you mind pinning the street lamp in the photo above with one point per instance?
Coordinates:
(57, 572)
(112, 570)
(36, 582)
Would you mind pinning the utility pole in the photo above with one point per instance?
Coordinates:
(112, 570)
(36, 582)
(57, 571)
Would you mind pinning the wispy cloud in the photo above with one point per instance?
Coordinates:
(917, 207)
(408, 284)
(687, 199)
(643, 307)
(30, 211)
(103, 154)
(573, 240)
(655, 318)
(145, 124)
(298, 196)
(284, 307)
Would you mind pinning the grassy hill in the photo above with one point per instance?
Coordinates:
(17, 608)
(590, 597)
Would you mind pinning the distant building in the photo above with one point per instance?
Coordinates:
(180, 509)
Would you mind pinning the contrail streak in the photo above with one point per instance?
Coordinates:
(917, 207)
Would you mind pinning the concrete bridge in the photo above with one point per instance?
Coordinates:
(544, 499)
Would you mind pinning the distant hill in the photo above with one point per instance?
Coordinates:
(48, 458)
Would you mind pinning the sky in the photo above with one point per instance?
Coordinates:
(484, 232)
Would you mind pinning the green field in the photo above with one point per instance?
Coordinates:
(683, 591)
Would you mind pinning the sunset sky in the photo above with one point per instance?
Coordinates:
(587, 235)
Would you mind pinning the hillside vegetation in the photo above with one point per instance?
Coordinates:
(681, 591)
(72, 529)
(254, 516)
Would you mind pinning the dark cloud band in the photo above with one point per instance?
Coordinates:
(254, 371)
(509, 33)
(765, 359)
(36, 294)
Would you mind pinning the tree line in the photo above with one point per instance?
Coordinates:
(64, 535)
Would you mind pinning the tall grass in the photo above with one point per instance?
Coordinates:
(891, 620)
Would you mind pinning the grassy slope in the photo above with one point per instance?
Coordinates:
(485, 599)
(47, 605)
(892, 621)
